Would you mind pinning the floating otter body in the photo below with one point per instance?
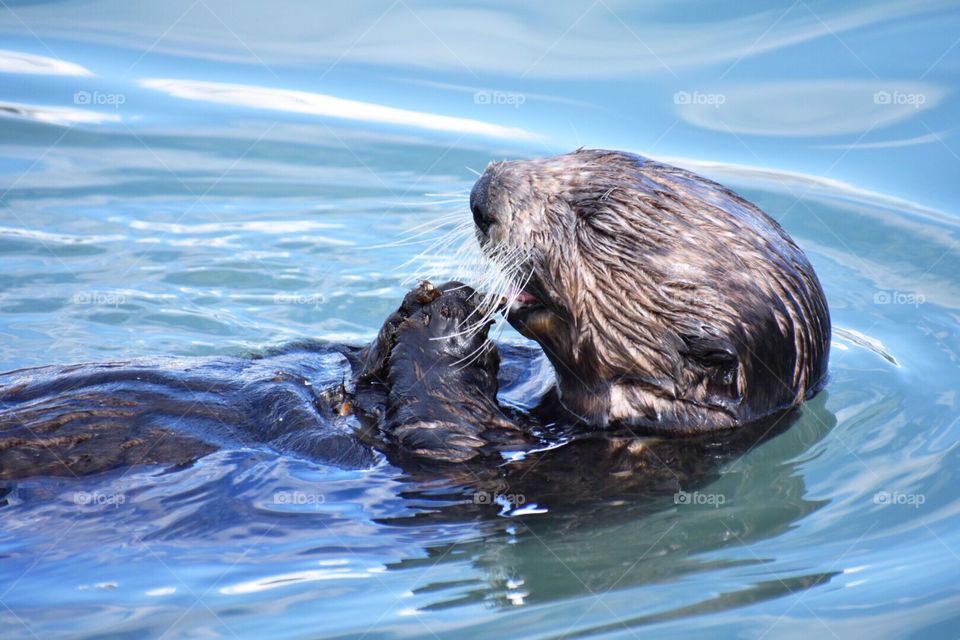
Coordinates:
(663, 300)
(83, 419)
(423, 394)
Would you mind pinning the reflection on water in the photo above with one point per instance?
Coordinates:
(805, 109)
(329, 106)
(215, 178)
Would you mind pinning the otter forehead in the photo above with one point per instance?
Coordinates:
(518, 192)
(561, 175)
(511, 197)
(635, 195)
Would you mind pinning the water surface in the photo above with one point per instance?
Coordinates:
(183, 179)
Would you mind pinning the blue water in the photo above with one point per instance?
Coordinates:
(183, 178)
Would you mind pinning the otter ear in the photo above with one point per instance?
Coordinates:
(707, 346)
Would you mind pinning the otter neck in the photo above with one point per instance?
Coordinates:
(601, 402)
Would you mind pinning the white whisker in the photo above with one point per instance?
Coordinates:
(426, 203)
(453, 253)
(465, 194)
(420, 238)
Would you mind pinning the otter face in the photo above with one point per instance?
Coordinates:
(532, 216)
(654, 292)
(523, 223)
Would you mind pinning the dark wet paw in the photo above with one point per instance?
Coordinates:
(453, 301)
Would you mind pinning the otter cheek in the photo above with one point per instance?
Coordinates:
(536, 326)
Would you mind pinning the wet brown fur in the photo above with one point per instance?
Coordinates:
(669, 302)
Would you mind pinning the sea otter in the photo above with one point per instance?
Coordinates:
(663, 300)
(423, 394)
(667, 304)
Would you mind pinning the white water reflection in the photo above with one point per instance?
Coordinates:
(929, 138)
(808, 108)
(257, 97)
(19, 62)
(574, 39)
(287, 579)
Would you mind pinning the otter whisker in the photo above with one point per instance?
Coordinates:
(441, 243)
(427, 203)
(414, 240)
(491, 307)
(497, 273)
(473, 356)
(419, 238)
(488, 343)
(507, 289)
(439, 252)
(435, 253)
(464, 193)
(454, 215)
(491, 302)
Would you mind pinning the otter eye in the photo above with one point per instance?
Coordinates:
(587, 212)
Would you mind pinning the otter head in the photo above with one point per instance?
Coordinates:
(654, 292)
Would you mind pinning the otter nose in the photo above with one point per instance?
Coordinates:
(482, 216)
